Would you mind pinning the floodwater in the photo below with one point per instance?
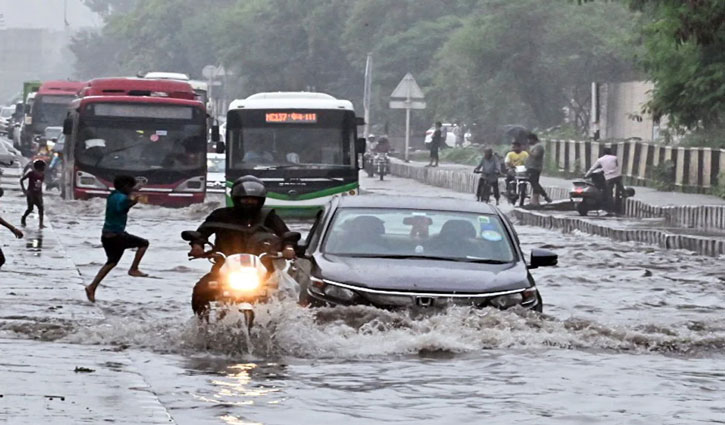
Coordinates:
(631, 335)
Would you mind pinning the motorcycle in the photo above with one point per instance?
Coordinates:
(369, 164)
(380, 160)
(517, 185)
(588, 194)
(243, 280)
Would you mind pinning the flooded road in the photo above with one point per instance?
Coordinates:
(631, 334)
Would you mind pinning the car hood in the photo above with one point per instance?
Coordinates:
(422, 275)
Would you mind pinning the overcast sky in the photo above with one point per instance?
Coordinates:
(46, 14)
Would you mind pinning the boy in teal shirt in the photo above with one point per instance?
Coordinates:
(114, 237)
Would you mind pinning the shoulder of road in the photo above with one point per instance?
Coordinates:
(49, 382)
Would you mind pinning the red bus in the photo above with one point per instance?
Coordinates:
(49, 108)
(153, 130)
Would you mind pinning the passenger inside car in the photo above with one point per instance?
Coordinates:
(456, 239)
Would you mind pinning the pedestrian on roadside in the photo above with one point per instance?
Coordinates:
(490, 169)
(609, 164)
(18, 234)
(458, 132)
(34, 191)
(534, 166)
(435, 144)
(114, 237)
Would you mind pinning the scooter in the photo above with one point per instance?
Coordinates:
(517, 186)
(588, 194)
(243, 280)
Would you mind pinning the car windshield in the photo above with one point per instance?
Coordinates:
(7, 112)
(405, 233)
(141, 144)
(215, 164)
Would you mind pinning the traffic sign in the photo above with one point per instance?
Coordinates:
(404, 104)
(408, 88)
(208, 71)
(407, 95)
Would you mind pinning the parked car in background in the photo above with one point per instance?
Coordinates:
(215, 172)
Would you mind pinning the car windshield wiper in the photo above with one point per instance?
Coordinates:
(432, 257)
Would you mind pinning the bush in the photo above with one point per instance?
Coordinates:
(662, 176)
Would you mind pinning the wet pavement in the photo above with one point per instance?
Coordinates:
(631, 334)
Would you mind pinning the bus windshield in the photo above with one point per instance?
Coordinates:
(146, 142)
(261, 144)
(50, 110)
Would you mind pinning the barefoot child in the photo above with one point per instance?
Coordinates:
(114, 238)
(18, 234)
(34, 192)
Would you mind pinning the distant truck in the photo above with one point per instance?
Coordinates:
(30, 87)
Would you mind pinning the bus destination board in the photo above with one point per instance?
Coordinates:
(291, 117)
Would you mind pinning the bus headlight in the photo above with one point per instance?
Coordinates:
(88, 181)
(245, 279)
(194, 184)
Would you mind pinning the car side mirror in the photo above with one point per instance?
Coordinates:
(220, 147)
(68, 126)
(190, 235)
(301, 249)
(543, 258)
(359, 121)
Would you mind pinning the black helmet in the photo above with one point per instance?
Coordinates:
(248, 193)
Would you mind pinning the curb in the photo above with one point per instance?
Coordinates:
(698, 244)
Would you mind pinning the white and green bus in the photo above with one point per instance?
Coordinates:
(303, 145)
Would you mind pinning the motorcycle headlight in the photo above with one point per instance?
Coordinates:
(245, 279)
(506, 301)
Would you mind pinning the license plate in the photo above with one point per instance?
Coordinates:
(577, 200)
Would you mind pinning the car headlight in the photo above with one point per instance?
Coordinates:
(507, 301)
(245, 279)
(338, 293)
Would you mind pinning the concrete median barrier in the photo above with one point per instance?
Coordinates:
(703, 245)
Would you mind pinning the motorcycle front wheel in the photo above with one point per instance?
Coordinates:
(522, 195)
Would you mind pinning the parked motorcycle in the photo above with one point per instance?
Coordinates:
(243, 280)
(588, 194)
(517, 185)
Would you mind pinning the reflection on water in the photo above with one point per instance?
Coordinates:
(34, 244)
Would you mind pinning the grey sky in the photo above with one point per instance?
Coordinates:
(46, 14)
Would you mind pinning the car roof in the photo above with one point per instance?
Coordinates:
(415, 203)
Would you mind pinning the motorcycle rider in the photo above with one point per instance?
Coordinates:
(236, 229)
(609, 164)
(383, 146)
(489, 167)
(517, 156)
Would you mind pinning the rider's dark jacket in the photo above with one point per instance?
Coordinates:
(234, 230)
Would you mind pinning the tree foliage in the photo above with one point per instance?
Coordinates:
(492, 62)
